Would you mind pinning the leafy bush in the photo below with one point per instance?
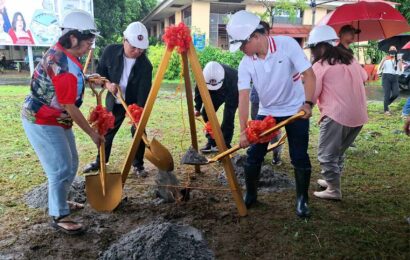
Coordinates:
(222, 56)
(156, 52)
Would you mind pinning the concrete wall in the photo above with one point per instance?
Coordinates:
(178, 17)
(259, 9)
(201, 17)
(307, 16)
(159, 31)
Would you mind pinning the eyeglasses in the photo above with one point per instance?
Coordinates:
(243, 42)
(133, 48)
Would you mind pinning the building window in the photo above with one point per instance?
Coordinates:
(283, 17)
(218, 36)
(186, 16)
(172, 20)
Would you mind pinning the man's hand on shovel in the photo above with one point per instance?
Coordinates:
(243, 140)
(112, 87)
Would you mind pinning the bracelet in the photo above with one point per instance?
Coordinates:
(310, 103)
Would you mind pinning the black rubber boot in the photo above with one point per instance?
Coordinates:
(302, 179)
(252, 173)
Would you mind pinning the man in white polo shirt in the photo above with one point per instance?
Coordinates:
(275, 65)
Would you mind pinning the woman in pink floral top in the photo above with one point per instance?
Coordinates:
(341, 99)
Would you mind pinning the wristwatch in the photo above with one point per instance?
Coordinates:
(310, 103)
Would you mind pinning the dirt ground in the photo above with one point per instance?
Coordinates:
(212, 212)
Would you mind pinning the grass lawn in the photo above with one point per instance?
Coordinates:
(370, 222)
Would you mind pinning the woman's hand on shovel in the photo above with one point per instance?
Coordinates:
(97, 138)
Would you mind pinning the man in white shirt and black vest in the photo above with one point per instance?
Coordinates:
(127, 65)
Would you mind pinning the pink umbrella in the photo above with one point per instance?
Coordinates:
(406, 46)
(376, 20)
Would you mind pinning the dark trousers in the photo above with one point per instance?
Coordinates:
(298, 141)
(390, 83)
(119, 113)
(228, 120)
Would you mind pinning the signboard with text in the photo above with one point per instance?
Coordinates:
(199, 41)
(35, 22)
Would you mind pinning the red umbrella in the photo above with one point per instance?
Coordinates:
(406, 46)
(376, 20)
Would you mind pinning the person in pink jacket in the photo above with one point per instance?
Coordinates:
(341, 98)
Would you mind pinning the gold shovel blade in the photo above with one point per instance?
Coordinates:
(113, 191)
(159, 155)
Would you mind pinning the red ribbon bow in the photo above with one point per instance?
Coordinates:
(101, 120)
(178, 36)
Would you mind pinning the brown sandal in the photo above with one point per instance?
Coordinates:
(57, 221)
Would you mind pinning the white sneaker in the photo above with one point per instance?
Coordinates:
(214, 149)
(329, 194)
(322, 183)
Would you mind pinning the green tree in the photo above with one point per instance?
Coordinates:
(404, 8)
(112, 17)
(289, 6)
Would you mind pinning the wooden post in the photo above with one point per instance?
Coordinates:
(145, 115)
(190, 102)
(210, 111)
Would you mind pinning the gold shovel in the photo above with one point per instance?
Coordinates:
(103, 190)
(155, 152)
(201, 160)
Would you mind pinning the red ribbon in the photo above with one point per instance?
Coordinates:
(136, 112)
(208, 129)
(257, 127)
(101, 120)
(178, 36)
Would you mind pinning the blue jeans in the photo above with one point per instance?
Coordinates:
(406, 108)
(55, 147)
(298, 141)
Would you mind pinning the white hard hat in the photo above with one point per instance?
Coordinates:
(137, 35)
(79, 20)
(214, 75)
(322, 33)
(240, 26)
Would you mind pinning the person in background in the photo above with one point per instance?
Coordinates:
(128, 66)
(222, 82)
(341, 99)
(406, 126)
(390, 68)
(19, 32)
(51, 108)
(406, 109)
(347, 34)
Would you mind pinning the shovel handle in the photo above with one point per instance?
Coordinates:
(87, 61)
(273, 129)
(119, 97)
(278, 143)
(102, 167)
(283, 123)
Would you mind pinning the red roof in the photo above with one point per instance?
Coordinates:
(296, 31)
